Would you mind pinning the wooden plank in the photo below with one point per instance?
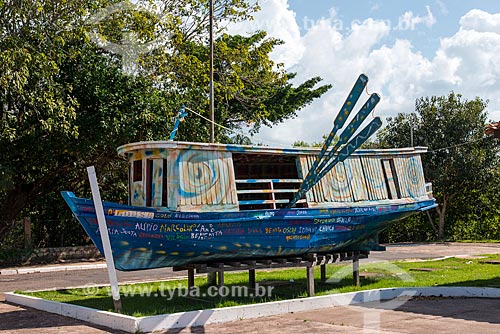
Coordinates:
(375, 178)
(231, 196)
(212, 279)
(345, 182)
(391, 182)
(303, 169)
(220, 191)
(251, 279)
(327, 184)
(259, 191)
(310, 280)
(415, 176)
(355, 271)
(183, 178)
(264, 201)
(203, 186)
(317, 189)
(349, 189)
(323, 273)
(399, 163)
(354, 171)
(272, 197)
(342, 187)
(180, 268)
(157, 182)
(220, 278)
(190, 278)
(268, 180)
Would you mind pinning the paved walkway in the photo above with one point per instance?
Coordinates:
(415, 316)
(452, 316)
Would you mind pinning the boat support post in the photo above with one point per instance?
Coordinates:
(103, 230)
(355, 270)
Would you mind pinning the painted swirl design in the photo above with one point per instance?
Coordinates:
(413, 176)
(202, 174)
(341, 184)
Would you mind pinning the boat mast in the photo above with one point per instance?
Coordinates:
(211, 108)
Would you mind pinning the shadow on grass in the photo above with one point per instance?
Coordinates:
(483, 283)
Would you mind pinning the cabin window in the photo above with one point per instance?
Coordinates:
(265, 181)
(149, 182)
(137, 173)
(391, 179)
(164, 191)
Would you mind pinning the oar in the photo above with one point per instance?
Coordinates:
(353, 126)
(345, 152)
(338, 123)
(352, 146)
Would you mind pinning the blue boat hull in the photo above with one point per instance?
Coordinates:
(145, 238)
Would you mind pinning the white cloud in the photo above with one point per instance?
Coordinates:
(279, 22)
(481, 21)
(467, 62)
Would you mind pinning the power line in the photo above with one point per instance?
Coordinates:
(234, 131)
(457, 145)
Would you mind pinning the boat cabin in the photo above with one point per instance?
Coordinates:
(194, 177)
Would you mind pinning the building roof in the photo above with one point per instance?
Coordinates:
(492, 128)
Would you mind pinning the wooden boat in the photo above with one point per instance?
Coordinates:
(200, 203)
(196, 203)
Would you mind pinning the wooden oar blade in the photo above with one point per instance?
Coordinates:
(352, 146)
(338, 123)
(353, 126)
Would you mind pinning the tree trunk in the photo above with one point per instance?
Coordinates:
(431, 221)
(441, 209)
(15, 202)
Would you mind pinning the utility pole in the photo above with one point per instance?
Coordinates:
(411, 134)
(211, 108)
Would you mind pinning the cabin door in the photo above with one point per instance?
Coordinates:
(391, 179)
(154, 180)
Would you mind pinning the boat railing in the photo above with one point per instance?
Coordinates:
(266, 193)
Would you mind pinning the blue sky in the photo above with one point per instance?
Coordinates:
(447, 14)
(408, 49)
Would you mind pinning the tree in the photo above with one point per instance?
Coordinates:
(250, 89)
(65, 103)
(301, 143)
(460, 160)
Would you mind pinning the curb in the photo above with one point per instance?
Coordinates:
(211, 316)
(22, 271)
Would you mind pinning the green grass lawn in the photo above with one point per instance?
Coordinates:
(285, 284)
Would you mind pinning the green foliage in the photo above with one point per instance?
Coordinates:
(301, 143)
(461, 163)
(415, 228)
(66, 103)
